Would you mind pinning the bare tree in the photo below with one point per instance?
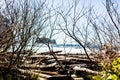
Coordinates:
(5, 34)
(112, 9)
(87, 28)
(106, 29)
(27, 19)
(71, 27)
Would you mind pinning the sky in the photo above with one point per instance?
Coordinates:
(98, 6)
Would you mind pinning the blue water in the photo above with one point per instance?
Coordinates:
(77, 46)
(65, 48)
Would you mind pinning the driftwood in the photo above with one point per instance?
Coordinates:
(44, 65)
(48, 53)
(49, 72)
(34, 73)
(46, 72)
(87, 71)
(34, 66)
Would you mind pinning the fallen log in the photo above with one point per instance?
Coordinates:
(49, 72)
(46, 72)
(40, 75)
(34, 66)
(87, 71)
(42, 79)
(48, 53)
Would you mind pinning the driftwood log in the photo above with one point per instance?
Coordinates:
(40, 75)
(48, 53)
(34, 66)
(87, 71)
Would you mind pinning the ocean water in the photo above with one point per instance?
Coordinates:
(65, 48)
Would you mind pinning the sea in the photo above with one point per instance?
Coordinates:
(64, 48)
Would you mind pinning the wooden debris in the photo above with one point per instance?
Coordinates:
(46, 68)
(34, 73)
(87, 71)
(48, 53)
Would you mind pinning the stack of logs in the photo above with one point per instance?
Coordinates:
(45, 66)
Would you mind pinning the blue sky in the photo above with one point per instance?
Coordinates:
(98, 6)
